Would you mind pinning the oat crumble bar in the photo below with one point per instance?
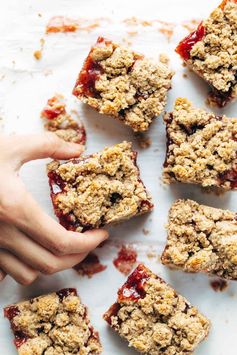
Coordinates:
(94, 191)
(201, 147)
(153, 318)
(210, 51)
(201, 239)
(58, 120)
(53, 324)
(119, 82)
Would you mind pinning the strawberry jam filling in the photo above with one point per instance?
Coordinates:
(90, 73)
(133, 289)
(20, 339)
(125, 260)
(89, 266)
(185, 46)
(53, 109)
(11, 312)
(231, 176)
(56, 182)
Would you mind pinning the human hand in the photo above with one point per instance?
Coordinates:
(31, 242)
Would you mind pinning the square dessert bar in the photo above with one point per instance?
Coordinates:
(210, 51)
(201, 147)
(60, 121)
(201, 239)
(100, 189)
(119, 82)
(53, 324)
(153, 318)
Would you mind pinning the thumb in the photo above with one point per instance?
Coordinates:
(40, 146)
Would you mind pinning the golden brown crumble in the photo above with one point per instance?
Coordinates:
(201, 147)
(214, 56)
(201, 239)
(58, 120)
(53, 325)
(159, 322)
(100, 189)
(125, 84)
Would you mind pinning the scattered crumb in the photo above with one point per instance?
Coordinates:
(125, 260)
(65, 24)
(132, 33)
(167, 32)
(143, 141)
(89, 266)
(134, 21)
(40, 15)
(164, 58)
(191, 25)
(219, 285)
(38, 53)
(184, 64)
(151, 255)
(185, 75)
(145, 231)
(126, 42)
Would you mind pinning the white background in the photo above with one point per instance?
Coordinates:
(25, 86)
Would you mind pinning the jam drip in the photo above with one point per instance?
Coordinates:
(112, 312)
(133, 289)
(65, 292)
(90, 73)
(125, 260)
(89, 266)
(185, 46)
(11, 312)
(20, 338)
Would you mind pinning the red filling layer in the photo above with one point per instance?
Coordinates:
(230, 176)
(133, 289)
(185, 46)
(90, 73)
(53, 109)
(65, 292)
(11, 312)
(126, 259)
(20, 339)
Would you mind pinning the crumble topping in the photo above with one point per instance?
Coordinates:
(100, 189)
(201, 147)
(213, 56)
(154, 319)
(119, 82)
(201, 239)
(53, 324)
(59, 121)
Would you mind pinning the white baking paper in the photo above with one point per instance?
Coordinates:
(25, 86)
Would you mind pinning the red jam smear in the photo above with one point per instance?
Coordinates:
(125, 260)
(185, 46)
(133, 289)
(90, 73)
(53, 109)
(89, 266)
(57, 184)
(219, 285)
(20, 339)
(62, 24)
(65, 292)
(11, 312)
(112, 311)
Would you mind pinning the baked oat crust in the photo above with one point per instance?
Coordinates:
(154, 319)
(101, 189)
(201, 147)
(210, 51)
(119, 82)
(53, 324)
(201, 239)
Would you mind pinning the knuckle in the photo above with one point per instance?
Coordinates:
(28, 279)
(50, 268)
(60, 247)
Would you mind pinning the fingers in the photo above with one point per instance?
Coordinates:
(19, 271)
(33, 254)
(33, 221)
(2, 275)
(38, 146)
